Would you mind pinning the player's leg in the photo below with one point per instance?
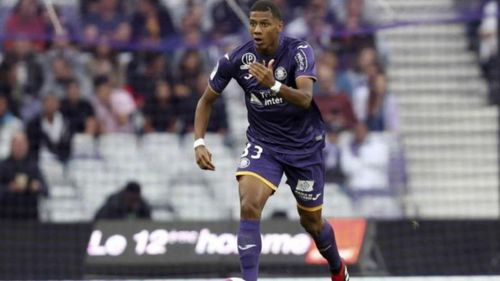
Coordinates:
(306, 177)
(324, 238)
(258, 175)
(253, 196)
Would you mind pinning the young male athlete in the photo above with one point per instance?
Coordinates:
(286, 134)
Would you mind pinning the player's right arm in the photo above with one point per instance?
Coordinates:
(219, 78)
(201, 118)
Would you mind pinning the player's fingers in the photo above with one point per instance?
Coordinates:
(270, 64)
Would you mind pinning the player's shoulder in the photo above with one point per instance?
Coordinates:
(295, 44)
(240, 51)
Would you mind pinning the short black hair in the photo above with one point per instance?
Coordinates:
(267, 6)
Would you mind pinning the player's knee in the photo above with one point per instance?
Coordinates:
(312, 225)
(250, 209)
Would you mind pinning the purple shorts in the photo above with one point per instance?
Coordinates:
(305, 173)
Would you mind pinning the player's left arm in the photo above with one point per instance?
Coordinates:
(302, 96)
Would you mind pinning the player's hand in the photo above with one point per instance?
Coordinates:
(204, 158)
(263, 73)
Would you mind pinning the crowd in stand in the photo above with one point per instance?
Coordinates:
(140, 66)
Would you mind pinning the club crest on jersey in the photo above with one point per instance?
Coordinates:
(244, 162)
(280, 73)
(247, 59)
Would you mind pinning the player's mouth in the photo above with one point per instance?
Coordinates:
(258, 41)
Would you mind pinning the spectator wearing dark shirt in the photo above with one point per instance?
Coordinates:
(151, 23)
(107, 23)
(50, 133)
(143, 72)
(159, 110)
(21, 182)
(78, 111)
(125, 204)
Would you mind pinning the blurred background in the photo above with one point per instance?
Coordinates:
(97, 171)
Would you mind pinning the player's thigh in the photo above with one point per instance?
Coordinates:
(306, 178)
(258, 174)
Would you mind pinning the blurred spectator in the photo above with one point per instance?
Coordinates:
(335, 106)
(315, 25)
(185, 100)
(224, 20)
(191, 25)
(106, 22)
(354, 81)
(63, 49)
(159, 110)
(143, 72)
(21, 77)
(57, 76)
(104, 62)
(77, 110)
(26, 22)
(9, 125)
(191, 65)
(21, 182)
(151, 23)
(365, 162)
(49, 133)
(488, 33)
(218, 122)
(382, 112)
(125, 204)
(114, 107)
(333, 169)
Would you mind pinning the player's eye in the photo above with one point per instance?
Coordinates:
(265, 24)
(253, 24)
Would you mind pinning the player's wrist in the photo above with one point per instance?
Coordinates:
(198, 142)
(276, 87)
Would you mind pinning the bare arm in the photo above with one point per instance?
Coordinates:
(201, 118)
(302, 96)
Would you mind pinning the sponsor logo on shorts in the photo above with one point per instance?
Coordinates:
(308, 196)
(244, 162)
(305, 185)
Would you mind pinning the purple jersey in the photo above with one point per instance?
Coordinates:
(281, 126)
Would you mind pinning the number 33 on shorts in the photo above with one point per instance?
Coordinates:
(255, 151)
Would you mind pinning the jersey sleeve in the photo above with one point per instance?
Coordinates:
(221, 74)
(304, 61)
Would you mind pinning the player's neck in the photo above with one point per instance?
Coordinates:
(271, 50)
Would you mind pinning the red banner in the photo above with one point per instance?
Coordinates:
(349, 234)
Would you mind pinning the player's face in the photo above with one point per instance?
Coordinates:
(265, 30)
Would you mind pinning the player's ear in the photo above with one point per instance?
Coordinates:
(280, 25)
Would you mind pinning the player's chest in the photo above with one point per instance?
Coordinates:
(282, 71)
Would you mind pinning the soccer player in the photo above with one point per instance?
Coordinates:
(286, 134)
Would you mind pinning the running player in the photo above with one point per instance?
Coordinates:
(286, 134)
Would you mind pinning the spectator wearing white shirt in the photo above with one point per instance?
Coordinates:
(365, 163)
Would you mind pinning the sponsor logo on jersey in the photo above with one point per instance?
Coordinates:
(280, 73)
(255, 100)
(301, 60)
(305, 185)
(247, 59)
(244, 162)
